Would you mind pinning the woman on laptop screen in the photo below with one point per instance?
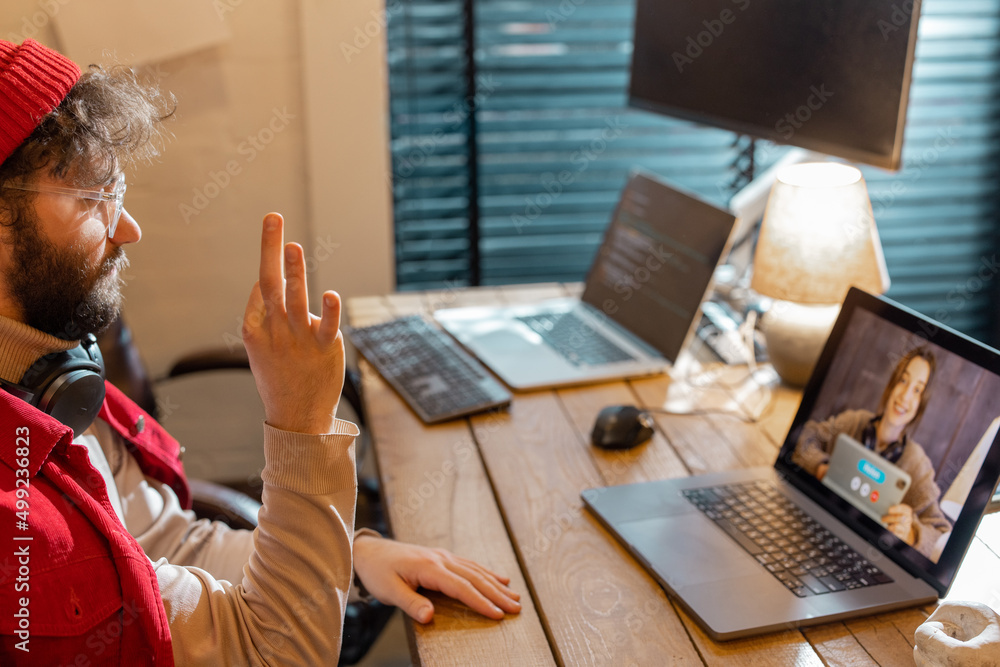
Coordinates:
(917, 519)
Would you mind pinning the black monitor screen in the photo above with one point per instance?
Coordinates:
(831, 76)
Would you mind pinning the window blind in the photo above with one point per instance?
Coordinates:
(554, 141)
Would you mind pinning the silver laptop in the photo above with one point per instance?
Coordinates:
(810, 555)
(865, 479)
(639, 308)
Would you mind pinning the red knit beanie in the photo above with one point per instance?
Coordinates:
(34, 79)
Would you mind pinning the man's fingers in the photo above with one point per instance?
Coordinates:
(253, 315)
(271, 275)
(483, 582)
(414, 604)
(330, 323)
(462, 589)
(296, 294)
(484, 570)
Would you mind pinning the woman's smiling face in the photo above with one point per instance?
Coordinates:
(904, 401)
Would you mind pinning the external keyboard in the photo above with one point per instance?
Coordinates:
(575, 340)
(433, 374)
(806, 557)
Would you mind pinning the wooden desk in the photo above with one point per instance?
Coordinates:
(504, 489)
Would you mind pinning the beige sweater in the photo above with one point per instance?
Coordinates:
(816, 443)
(274, 596)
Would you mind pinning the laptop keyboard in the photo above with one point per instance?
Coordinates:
(436, 377)
(577, 341)
(803, 555)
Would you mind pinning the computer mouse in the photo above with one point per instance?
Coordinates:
(621, 427)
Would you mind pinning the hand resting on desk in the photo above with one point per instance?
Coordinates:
(393, 571)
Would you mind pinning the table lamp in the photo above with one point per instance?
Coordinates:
(817, 239)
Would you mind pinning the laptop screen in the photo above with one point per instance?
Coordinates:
(900, 405)
(656, 262)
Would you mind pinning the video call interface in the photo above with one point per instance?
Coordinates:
(900, 429)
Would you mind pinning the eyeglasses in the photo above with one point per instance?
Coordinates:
(114, 198)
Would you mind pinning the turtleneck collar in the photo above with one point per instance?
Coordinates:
(22, 345)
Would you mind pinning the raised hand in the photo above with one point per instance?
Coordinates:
(297, 358)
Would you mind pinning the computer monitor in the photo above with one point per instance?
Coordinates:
(831, 76)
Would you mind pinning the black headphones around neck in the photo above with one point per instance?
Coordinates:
(68, 386)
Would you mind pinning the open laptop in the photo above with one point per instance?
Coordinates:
(692, 533)
(865, 479)
(639, 308)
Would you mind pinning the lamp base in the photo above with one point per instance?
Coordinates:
(795, 336)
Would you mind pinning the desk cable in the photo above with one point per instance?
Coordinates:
(757, 379)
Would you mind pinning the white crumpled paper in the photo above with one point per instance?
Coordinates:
(959, 633)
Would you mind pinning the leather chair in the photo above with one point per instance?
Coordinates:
(238, 507)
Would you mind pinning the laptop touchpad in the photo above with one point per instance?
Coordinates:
(688, 549)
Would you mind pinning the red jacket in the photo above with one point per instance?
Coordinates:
(75, 587)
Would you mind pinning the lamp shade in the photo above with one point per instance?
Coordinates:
(818, 237)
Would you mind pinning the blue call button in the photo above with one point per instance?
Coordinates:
(869, 469)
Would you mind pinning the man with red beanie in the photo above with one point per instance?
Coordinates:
(101, 563)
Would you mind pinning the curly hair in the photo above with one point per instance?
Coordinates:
(107, 122)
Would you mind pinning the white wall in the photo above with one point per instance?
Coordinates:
(345, 83)
(321, 160)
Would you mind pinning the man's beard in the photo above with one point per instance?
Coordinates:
(59, 292)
